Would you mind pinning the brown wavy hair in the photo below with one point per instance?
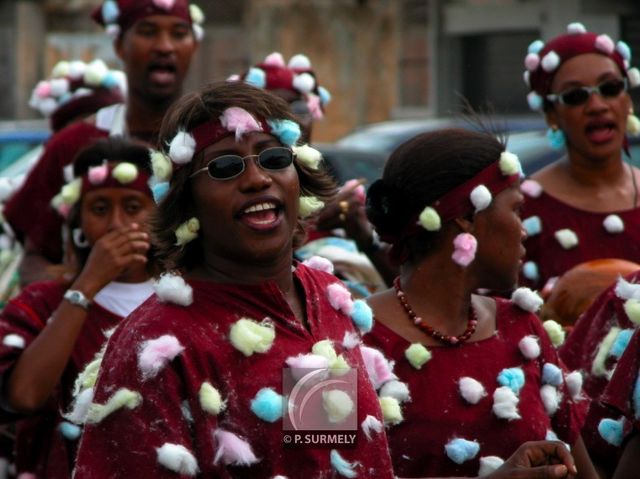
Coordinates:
(177, 206)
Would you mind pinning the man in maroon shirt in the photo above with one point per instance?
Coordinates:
(155, 43)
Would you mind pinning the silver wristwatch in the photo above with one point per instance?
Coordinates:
(77, 298)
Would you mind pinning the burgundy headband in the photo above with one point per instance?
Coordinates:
(211, 131)
(102, 177)
(130, 11)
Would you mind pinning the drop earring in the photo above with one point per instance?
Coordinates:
(556, 137)
(79, 238)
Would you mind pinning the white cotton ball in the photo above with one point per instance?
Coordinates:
(489, 464)
(177, 458)
(550, 398)
(633, 75)
(59, 86)
(471, 390)
(527, 299)
(76, 69)
(550, 61)
(78, 414)
(613, 224)
(95, 72)
(371, 423)
(567, 238)
(304, 83)
(576, 28)
(47, 106)
(574, 384)
(529, 347)
(182, 148)
(526, 77)
(351, 340)
(627, 290)
(171, 288)
(337, 404)
(480, 197)
(505, 403)
(300, 62)
(13, 341)
(395, 389)
(61, 69)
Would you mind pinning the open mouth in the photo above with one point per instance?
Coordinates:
(261, 216)
(162, 72)
(600, 131)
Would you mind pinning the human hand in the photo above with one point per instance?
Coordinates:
(538, 460)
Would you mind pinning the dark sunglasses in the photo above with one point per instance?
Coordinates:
(226, 167)
(580, 95)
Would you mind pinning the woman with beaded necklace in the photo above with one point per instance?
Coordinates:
(475, 376)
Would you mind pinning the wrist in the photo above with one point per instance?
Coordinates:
(77, 298)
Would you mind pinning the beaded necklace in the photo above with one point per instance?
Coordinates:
(419, 322)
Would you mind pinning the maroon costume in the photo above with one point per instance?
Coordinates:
(438, 413)
(128, 440)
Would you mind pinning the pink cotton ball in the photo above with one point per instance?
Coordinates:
(240, 121)
(531, 61)
(157, 353)
(164, 4)
(314, 105)
(465, 246)
(340, 298)
(319, 263)
(232, 449)
(43, 89)
(303, 364)
(378, 368)
(605, 44)
(98, 174)
(531, 188)
(64, 209)
(275, 59)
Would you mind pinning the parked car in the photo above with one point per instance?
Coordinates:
(19, 137)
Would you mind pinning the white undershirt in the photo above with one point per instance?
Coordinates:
(122, 298)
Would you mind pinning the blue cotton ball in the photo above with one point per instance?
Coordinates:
(362, 316)
(513, 378)
(110, 80)
(611, 431)
(556, 138)
(110, 11)
(535, 46)
(624, 50)
(636, 399)
(551, 374)
(325, 96)
(268, 405)
(341, 465)
(159, 191)
(65, 98)
(69, 431)
(256, 77)
(461, 450)
(288, 131)
(621, 342)
(530, 271)
(532, 225)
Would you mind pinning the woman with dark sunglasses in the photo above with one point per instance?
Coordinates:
(586, 205)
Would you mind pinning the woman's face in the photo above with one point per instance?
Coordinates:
(596, 128)
(105, 209)
(500, 234)
(251, 217)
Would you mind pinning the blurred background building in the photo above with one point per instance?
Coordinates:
(380, 59)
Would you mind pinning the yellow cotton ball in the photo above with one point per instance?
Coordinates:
(430, 219)
(249, 336)
(325, 349)
(309, 205)
(310, 157)
(197, 16)
(391, 411)
(633, 125)
(125, 172)
(339, 367)
(161, 165)
(187, 231)
(123, 397)
(70, 192)
(632, 308)
(417, 355)
(210, 399)
(57, 201)
(337, 404)
(61, 69)
(555, 332)
(509, 163)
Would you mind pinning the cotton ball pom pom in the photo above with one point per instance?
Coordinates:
(164, 4)
(567, 238)
(337, 404)
(123, 397)
(160, 165)
(635, 399)
(286, 130)
(14, 341)
(319, 263)
(61, 69)
(196, 14)
(613, 224)
(532, 225)
(159, 191)
(551, 374)
(249, 336)
(371, 423)
(391, 411)
(417, 355)
(576, 28)
(110, 11)
(95, 72)
(531, 188)
(513, 378)
(633, 75)
(171, 288)
(489, 464)
(325, 348)
(76, 69)
(113, 31)
(300, 62)
(341, 465)
(633, 125)
(156, 353)
(612, 431)
(256, 77)
(69, 431)
(534, 100)
(362, 316)
(509, 164)
(620, 344)
(177, 458)
(275, 59)
(97, 174)
(210, 399)
(574, 384)
(529, 347)
(505, 403)
(240, 121)
(182, 147)
(340, 298)
(531, 61)
(624, 50)
(303, 364)
(555, 332)
(605, 44)
(304, 83)
(351, 340)
(464, 249)
(430, 219)
(308, 205)
(471, 390)
(81, 403)
(325, 95)
(632, 309)
(233, 450)
(550, 61)
(125, 172)
(395, 389)
(526, 78)
(626, 290)
(550, 398)
(480, 197)
(47, 106)
(268, 405)
(187, 231)
(309, 157)
(535, 46)
(198, 32)
(71, 191)
(460, 450)
(526, 299)
(378, 367)
(59, 86)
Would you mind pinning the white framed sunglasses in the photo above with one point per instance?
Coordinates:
(579, 95)
(227, 167)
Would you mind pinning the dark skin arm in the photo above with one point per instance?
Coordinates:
(40, 366)
(629, 463)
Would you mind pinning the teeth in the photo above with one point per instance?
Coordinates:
(260, 207)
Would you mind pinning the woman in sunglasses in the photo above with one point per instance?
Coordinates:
(586, 205)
